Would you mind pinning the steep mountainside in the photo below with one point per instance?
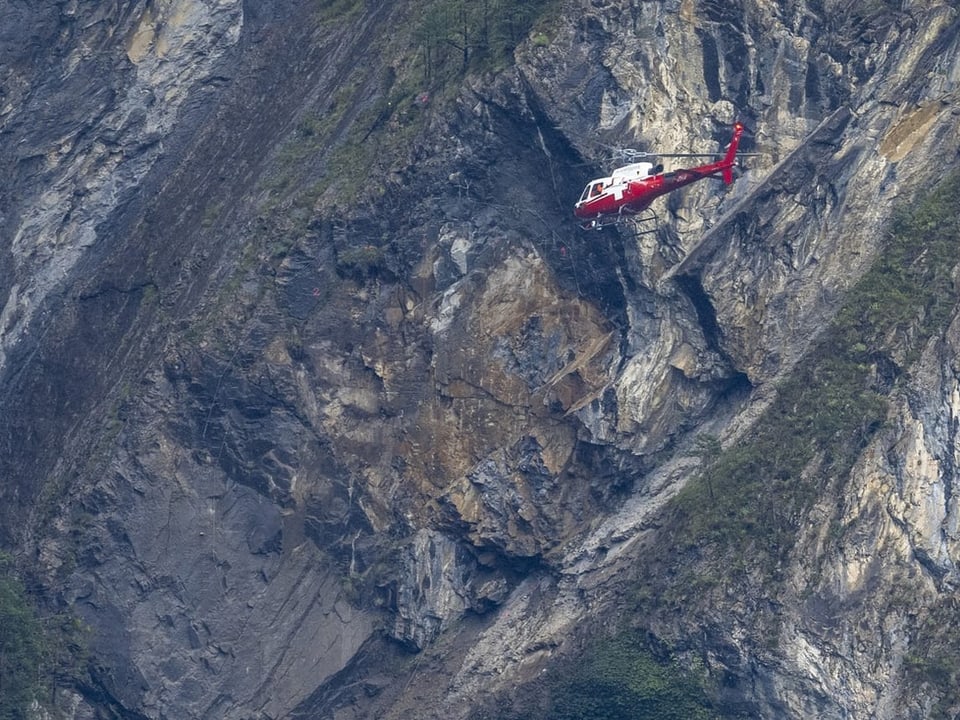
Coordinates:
(315, 402)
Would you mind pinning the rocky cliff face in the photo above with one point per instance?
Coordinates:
(316, 403)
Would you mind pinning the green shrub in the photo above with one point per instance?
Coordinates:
(361, 262)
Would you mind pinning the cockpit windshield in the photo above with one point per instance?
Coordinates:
(592, 190)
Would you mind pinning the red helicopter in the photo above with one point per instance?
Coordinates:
(630, 189)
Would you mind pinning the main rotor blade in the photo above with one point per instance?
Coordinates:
(716, 154)
(634, 155)
(628, 153)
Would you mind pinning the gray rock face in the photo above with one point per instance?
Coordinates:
(440, 581)
(259, 418)
(96, 96)
(88, 145)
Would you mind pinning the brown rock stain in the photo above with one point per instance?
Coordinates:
(910, 131)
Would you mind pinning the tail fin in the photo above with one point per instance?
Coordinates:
(731, 155)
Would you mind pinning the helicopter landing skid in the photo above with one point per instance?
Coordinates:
(646, 223)
(642, 224)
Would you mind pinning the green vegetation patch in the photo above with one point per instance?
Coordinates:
(35, 653)
(22, 646)
(369, 125)
(621, 678)
(457, 36)
(618, 677)
(337, 10)
(933, 665)
(740, 519)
